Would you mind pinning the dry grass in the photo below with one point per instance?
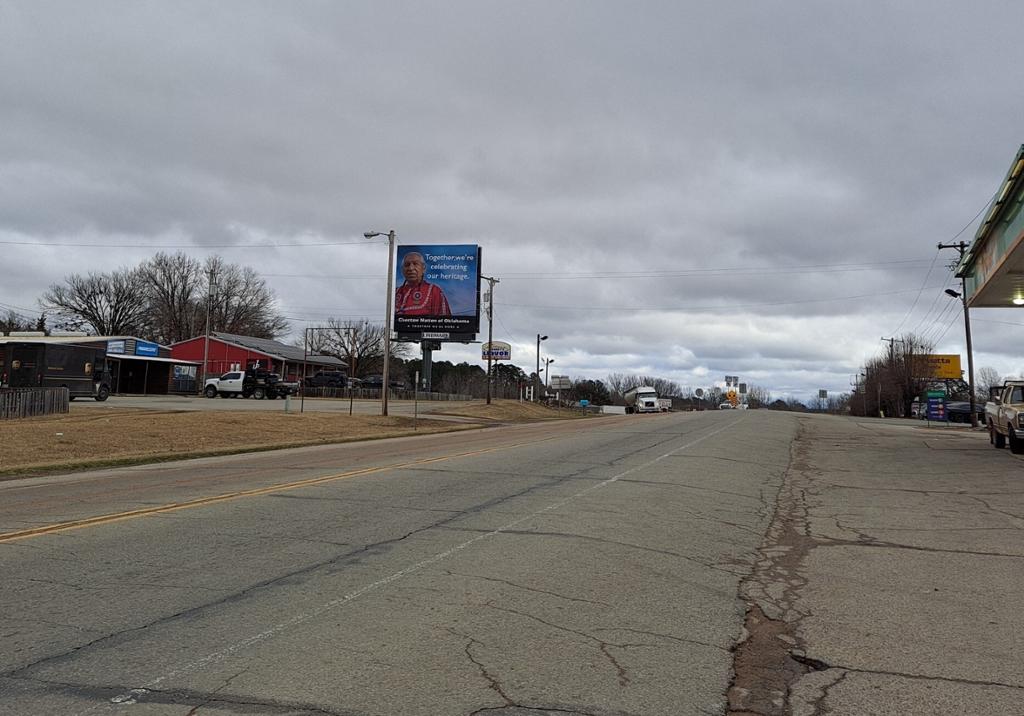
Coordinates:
(512, 411)
(94, 438)
(127, 436)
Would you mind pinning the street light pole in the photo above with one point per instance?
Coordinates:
(970, 352)
(386, 387)
(539, 339)
(490, 329)
(961, 246)
(206, 344)
(547, 372)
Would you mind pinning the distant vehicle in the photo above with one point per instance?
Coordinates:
(327, 379)
(80, 369)
(376, 381)
(255, 383)
(1004, 416)
(642, 399)
(725, 406)
(664, 404)
(960, 412)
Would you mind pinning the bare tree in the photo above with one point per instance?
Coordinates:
(360, 344)
(986, 379)
(15, 322)
(758, 397)
(177, 292)
(242, 302)
(108, 304)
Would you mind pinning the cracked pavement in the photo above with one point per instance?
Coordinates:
(890, 581)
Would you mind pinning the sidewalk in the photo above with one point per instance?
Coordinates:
(892, 578)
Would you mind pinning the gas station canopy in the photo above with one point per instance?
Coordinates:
(993, 266)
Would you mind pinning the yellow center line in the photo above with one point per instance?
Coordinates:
(175, 506)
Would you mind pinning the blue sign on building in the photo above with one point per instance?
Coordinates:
(145, 348)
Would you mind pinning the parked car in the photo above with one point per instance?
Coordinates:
(376, 381)
(960, 412)
(327, 379)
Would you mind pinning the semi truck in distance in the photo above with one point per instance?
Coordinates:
(80, 369)
(642, 399)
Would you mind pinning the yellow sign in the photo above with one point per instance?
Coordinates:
(939, 366)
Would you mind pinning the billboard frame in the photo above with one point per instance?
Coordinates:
(447, 267)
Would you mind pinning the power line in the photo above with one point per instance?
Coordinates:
(690, 309)
(193, 246)
(919, 292)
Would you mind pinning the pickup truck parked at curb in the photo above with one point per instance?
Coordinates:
(248, 384)
(1004, 416)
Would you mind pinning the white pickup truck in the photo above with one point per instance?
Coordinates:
(1004, 416)
(248, 384)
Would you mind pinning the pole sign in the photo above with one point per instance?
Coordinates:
(936, 405)
(497, 350)
(941, 366)
(822, 395)
(560, 382)
(438, 294)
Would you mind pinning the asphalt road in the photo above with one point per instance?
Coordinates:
(717, 562)
(582, 567)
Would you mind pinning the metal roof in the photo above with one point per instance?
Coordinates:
(275, 349)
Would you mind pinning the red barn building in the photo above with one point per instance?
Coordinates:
(228, 351)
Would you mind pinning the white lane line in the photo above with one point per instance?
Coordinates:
(132, 696)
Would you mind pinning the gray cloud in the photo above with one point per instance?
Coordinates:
(580, 137)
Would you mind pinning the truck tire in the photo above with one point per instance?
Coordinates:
(998, 440)
(102, 394)
(1016, 443)
(210, 392)
(258, 393)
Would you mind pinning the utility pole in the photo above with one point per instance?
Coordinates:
(206, 343)
(537, 389)
(961, 246)
(490, 329)
(892, 376)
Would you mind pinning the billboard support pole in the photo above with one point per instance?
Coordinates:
(490, 329)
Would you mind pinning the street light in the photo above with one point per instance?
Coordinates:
(385, 388)
(539, 339)
(970, 353)
(547, 373)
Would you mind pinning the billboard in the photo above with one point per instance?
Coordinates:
(938, 366)
(438, 294)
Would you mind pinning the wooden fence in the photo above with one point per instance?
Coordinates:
(32, 402)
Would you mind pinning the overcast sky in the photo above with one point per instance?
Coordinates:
(680, 189)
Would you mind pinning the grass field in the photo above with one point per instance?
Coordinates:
(90, 438)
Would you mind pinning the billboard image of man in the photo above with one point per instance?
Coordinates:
(416, 296)
(438, 290)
